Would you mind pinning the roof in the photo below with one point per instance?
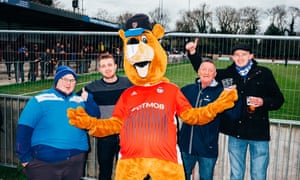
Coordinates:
(24, 15)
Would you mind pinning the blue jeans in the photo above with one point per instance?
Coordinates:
(206, 166)
(259, 158)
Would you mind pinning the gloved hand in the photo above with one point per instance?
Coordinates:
(205, 114)
(226, 100)
(79, 118)
(97, 127)
(106, 127)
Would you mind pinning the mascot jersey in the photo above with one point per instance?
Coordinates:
(150, 126)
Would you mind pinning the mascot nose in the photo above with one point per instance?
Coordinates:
(132, 41)
(132, 50)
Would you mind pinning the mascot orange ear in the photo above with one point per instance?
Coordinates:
(122, 34)
(158, 31)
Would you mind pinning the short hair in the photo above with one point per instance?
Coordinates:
(207, 60)
(106, 56)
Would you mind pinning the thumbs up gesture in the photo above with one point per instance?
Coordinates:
(84, 94)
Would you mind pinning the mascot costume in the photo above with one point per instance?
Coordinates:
(145, 115)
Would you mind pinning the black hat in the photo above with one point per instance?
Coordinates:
(244, 47)
(137, 24)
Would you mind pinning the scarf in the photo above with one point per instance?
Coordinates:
(243, 71)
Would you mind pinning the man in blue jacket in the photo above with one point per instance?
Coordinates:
(200, 143)
(48, 147)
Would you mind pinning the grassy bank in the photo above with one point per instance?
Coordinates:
(288, 78)
(9, 173)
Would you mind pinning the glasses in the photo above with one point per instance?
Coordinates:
(66, 80)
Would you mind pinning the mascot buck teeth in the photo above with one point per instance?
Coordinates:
(145, 114)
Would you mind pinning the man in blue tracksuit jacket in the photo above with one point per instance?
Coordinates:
(48, 147)
(200, 143)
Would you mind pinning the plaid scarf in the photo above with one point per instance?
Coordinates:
(243, 71)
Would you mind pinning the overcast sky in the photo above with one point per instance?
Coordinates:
(171, 6)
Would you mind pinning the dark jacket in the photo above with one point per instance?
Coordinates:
(1, 120)
(203, 140)
(259, 82)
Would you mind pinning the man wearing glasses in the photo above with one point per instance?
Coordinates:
(47, 145)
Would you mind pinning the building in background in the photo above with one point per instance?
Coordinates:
(25, 15)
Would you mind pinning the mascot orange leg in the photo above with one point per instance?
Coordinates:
(138, 168)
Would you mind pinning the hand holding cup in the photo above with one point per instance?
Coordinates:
(227, 83)
(253, 102)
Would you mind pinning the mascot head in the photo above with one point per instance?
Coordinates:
(145, 61)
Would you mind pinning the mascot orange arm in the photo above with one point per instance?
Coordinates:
(194, 116)
(203, 115)
(97, 127)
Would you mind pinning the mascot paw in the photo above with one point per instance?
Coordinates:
(227, 98)
(106, 127)
(205, 114)
(79, 118)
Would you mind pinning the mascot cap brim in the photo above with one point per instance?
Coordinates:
(134, 32)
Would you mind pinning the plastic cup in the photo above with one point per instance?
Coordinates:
(250, 106)
(227, 82)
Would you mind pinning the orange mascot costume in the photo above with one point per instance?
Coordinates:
(145, 114)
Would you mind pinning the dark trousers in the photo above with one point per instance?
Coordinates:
(43, 70)
(107, 150)
(19, 70)
(71, 169)
(8, 69)
(32, 71)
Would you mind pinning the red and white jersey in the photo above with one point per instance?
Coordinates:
(150, 126)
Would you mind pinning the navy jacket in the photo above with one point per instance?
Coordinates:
(203, 140)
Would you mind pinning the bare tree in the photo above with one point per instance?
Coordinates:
(228, 19)
(202, 18)
(199, 20)
(103, 14)
(294, 14)
(278, 17)
(249, 20)
(185, 24)
(122, 18)
(160, 17)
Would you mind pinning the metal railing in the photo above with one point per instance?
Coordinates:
(284, 145)
(278, 51)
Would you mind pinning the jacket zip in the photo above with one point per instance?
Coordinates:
(198, 103)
